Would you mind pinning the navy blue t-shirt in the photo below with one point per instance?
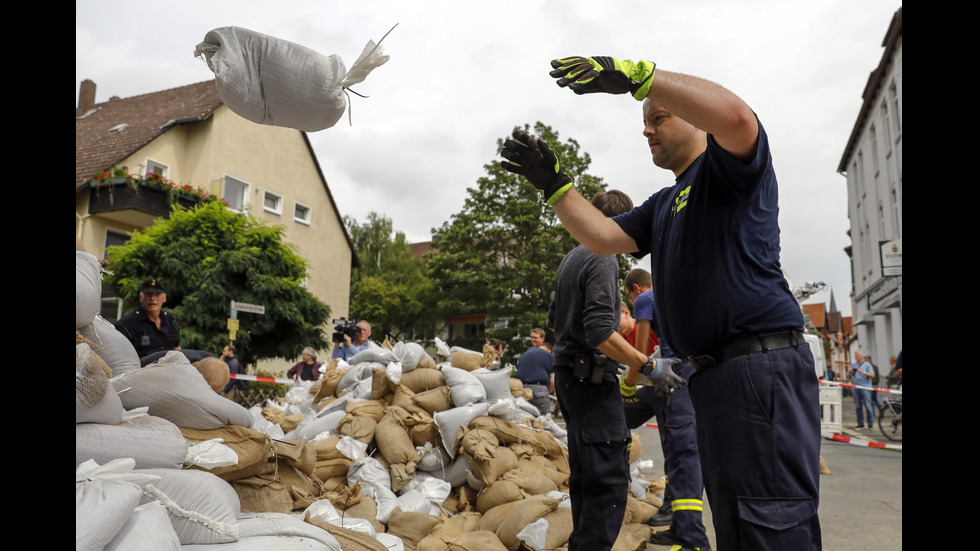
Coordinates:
(535, 366)
(713, 238)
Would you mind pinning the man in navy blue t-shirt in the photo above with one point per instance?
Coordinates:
(713, 241)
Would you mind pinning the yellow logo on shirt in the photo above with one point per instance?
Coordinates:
(681, 200)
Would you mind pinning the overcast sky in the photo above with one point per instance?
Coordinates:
(463, 74)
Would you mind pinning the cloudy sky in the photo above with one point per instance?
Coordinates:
(463, 74)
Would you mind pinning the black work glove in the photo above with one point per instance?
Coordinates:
(604, 74)
(663, 377)
(534, 160)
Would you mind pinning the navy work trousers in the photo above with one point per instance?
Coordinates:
(758, 420)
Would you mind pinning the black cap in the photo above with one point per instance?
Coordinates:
(152, 286)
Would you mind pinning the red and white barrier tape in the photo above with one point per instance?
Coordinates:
(260, 378)
(847, 385)
(859, 441)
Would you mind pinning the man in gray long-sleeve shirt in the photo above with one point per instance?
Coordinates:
(584, 315)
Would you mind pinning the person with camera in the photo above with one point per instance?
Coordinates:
(307, 368)
(349, 340)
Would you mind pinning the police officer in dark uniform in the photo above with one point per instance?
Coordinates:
(584, 315)
(713, 241)
(149, 327)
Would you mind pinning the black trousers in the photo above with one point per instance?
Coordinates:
(598, 458)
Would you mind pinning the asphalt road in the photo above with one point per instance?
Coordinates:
(860, 501)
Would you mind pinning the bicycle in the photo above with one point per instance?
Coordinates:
(890, 418)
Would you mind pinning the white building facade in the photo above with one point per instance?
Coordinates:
(872, 164)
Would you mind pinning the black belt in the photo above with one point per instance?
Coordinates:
(588, 366)
(748, 345)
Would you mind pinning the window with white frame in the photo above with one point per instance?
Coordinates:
(235, 193)
(110, 306)
(153, 167)
(302, 213)
(272, 202)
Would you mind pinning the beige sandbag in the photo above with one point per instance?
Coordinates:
(375, 409)
(530, 481)
(559, 527)
(824, 469)
(404, 398)
(259, 494)
(392, 438)
(254, 449)
(637, 511)
(215, 372)
(480, 540)
(420, 380)
(494, 517)
(510, 433)
(367, 510)
(350, 540)
(437, 399)
(329, 381)
(428, 363)
(458, 524)
(422, 429)
(465, 359)
(276, 416)
(360, 428)
(380, 384)
(95, 398)
(632, 537)
(490, 470)
(411, 527)
(480, 444)
(525, 512)
(636, 448)
(499, 493)
(516, 387)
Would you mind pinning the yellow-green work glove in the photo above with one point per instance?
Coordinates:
(604, 74)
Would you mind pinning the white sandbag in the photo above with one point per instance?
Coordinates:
(95, 399)
(105, 497)
(88, 288)
(370, 474)
(433, 458)
(148, 527)
(376, 354)
(432, 488)
(450, 420)
(282, 524)
(311, 425)
(263, 543)
(358, 373)
(149, 441)
(496, 383)
(263, 425)
(458, 472)
(174, 389)
(535, 535)
(465, 387)
(508, 410)
(272, 81)
(202, 507)
(442, 349)
(391, 542)
(323, 511)
(111, 345)
(210, 454)
(409, 354)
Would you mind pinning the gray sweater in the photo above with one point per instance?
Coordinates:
(585, 309)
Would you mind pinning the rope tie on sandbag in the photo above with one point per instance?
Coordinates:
(344, 89)
(173, 507)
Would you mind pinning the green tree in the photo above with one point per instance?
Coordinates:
(391, 288)
(498, 255)
(208, 256)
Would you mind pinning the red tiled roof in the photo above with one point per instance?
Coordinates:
(146, 117)
(816, 314)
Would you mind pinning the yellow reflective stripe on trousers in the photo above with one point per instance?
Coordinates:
(687, 505)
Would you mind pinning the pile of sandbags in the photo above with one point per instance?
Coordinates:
(389, 451)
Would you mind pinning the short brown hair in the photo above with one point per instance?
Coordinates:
(612, 202)
(638, 276)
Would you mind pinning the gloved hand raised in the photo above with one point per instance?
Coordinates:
(662, 376)
(534, 160)
(604, 74)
